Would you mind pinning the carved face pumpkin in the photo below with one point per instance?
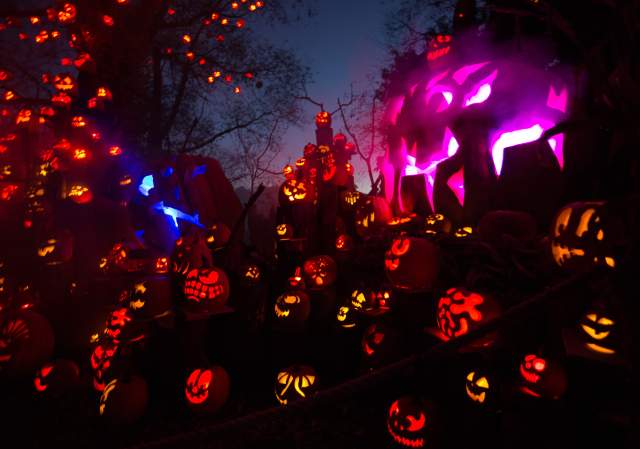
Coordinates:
(328, 167)
(292, 309)
(597, 328)
(292, 191)
(252, 274)
(407, 422)
(461, 310)
(372, 339)
(122, 327)
(217, 236)
(348, 199)
(542, 377)
(124, 401)
(345, 317)
(294, 383)
(56, 250)
(372, 213)
(57, 377)
(284, 231)
(463, 232)
(477, 387)
(580, 237)
(344, 243)
(411, 263)
(80, 194)
(371, 302)
(320, 272)
(323, 119)
(436, 224)
(207, 287)
(64, 82)
(26, 342)
(207, 389)
(101, 363)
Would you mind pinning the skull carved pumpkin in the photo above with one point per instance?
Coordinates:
(207, 389)
(461, 310)
(580, 237)
(320, 272)
(407, 422)
(206, 287)
(411, 263)
(294, 383)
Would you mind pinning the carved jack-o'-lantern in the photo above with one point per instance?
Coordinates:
(124, 401)
(463, 232)
(189, 252)
(380, 343)
(288, 172)
(436, 224)
(477, 387)
(251, 274)
(348, 199)
(407, 422)
(206, 287)
(26, 342)
(345, 317)
(580, 237)
(323, 119)
(80, 194)
(217, 236)
(56, 250)
(344, 244)
(460, 311)
(57, 377)
(320, 271)
(372, 213)
(292, 191)
(284, 231)
(371, 302)
(598, 331)
(542, 377)
(292, 309)
(101, 363)
(411, 263)
(120, 326)
(295, 382)
(207, 389)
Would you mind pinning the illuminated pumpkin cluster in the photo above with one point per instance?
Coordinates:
(412, 263)
(294, 383)
(207, 389)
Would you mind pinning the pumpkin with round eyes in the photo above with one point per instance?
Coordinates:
(461, 311)
(124, 401)
(598, 331)
(436, 224)
(292, 191)
(581, 237)
(320, 272)
(477, 387)
(407, 422)
(292, 309)
(542, 378)
(57, 377)
(207, 389)
(294, 383)
(26, 342)
(372, 213)
(206, 288)
(411, 263)
(284, 231)
(323, 119)
(217, 236)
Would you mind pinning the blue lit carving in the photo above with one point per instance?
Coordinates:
(176, 213)
(146, 185)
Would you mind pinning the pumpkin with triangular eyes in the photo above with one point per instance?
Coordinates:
(478, 386)
(412, 263)
(408, 422)
(207, 389)
(581, 237)
(294, 383)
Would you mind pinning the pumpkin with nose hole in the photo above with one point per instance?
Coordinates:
(320, 272)
(294, 383)
(292, 309)
(207, 389)
(206, 288)
(581, 237)
(408, 423)
(542, 377)
(412, 263)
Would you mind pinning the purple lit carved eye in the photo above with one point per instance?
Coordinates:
(482, 91)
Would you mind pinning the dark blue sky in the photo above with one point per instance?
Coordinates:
(342, 44)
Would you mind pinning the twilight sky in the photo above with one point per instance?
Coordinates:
(342, 44)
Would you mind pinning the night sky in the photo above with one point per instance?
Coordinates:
(342, 44)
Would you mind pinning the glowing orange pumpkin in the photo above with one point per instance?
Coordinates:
(207, 389)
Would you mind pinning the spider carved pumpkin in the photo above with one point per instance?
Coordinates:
(292, 191)
(320, 272)
(207, 389)
(206, 287)
(542, 378)
(294, 383)
(26, 342)
(407, 422)
(412, 263)
(460, 311)
(57, 377)
(292, 309)
(580, 237)
(124, 401)
(477, 387)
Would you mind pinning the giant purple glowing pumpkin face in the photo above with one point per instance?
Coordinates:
(515, 102)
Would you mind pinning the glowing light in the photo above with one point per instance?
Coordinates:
(461, 75)
(482, 92)
(448, 96)
(146, 185)
(456, 184)
(512, 138)
(558, 101)
(176, 213)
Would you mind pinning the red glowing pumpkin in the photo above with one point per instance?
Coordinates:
(207, 389)
(412, 263)
(206, 288)
(408, 423)
(542, 377)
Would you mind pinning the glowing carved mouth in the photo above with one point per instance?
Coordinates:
(404, 441)
(600, 349)
(563, 253)
(205, 291)
(593, 333)
(392, 264)
(476, 397)
(282, 313)
(528, 376)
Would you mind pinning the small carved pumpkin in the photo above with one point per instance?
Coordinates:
(477, 386)
(149, 297)
(437, 224)
(294, 383)
(407, 422)
(463, 232)
(372, 213)
(344, 244)
(323, 119)
(380, 343)
(345, 317)
(292, 309)
(124, 401)
(101, 363)
(284, 231)
(580, 237)
(217, 236)
(598, 330)
(320, 272)
(542, 377)
(348, 199)
(412, 263)
(371, 302)
(57, 249)
(461, 310)
(57, 377)
(207, 389)
(292, 191)
(206, 287)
